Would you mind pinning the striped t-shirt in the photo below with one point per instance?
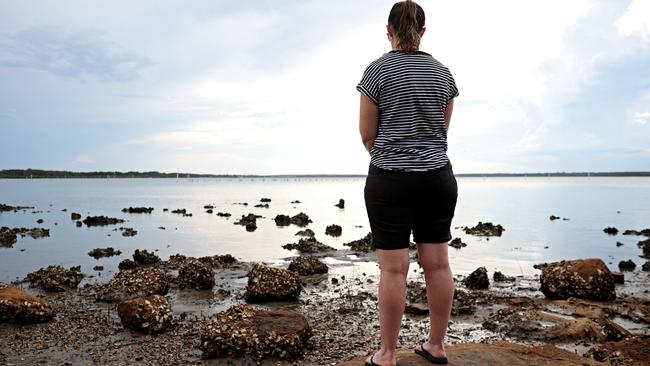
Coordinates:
(412, 91)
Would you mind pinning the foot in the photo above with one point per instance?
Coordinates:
(437, 351)
(380, 359)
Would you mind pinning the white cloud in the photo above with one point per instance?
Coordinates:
(636, 20)
(641, 117)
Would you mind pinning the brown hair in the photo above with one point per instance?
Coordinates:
(406, 19)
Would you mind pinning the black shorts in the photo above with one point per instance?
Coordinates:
(399, 202)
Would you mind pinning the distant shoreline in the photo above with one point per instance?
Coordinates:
(62, 174)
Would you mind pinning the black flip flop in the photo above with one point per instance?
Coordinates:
(372, 363)
(435, 360)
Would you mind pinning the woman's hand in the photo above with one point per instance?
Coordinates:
(368, 121)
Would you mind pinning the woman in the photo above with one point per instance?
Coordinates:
(406, 105)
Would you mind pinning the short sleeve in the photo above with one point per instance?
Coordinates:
(370, 83)
(452, 90)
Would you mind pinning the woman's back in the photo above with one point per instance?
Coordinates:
(412, 90)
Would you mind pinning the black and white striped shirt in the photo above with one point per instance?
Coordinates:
(412, 91)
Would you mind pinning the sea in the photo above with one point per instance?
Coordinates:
(522, 205)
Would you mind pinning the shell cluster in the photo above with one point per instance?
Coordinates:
(272, 284)
(306, 266)
(134, 282)
(583, 278)
(197, 275)
(55, 278)
(145, 257)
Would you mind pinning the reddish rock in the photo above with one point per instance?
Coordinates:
(17, 306)
(628, 352)
(152, 314)
(583, 278)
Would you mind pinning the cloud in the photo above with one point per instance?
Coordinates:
(83, 159)
(52, 49)
(641, 117)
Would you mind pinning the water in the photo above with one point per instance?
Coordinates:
(521, 205)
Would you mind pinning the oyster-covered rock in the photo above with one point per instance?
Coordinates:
(103, 252)
(308, 245)
(478, 280)
(272, 284)
(127, 264)
(17, 306)
(485, 229)
(55, 278)
(362, 245)
(242, 330)
(583, 278)
(129, 283)
(197, 275)
(101, 221)
(306, 266)
(145, 257)
(333, 230)
(151, 314)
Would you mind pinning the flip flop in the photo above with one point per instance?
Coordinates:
(435, 360)
(372, 363)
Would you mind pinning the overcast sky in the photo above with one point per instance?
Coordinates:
(268, 87)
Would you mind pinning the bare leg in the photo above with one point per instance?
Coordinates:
(393, 265)
(440, 293)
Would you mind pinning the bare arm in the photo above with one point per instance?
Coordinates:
(368, 121)
(450, 109)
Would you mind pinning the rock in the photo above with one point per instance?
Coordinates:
(553, 218)
(628, 352)
(9, 236)
(55, 278)
(39, 221)
(127, 231)
(224, 214)
(78, 223)
(416, 309)
(145, 257)
(197, 275)
(627, 265)
(341, 203)
(7, 208)
(17, 306)
(362, 245)
(618, 277)
(295, 201)
(498, 353)
(500, 277)
(209, 211)
(457, 243)
(540, 266)
(133, 210)
(127, 264)
(306, 266)
(180, 211)
(262, 205)
(610, 230)
(646, 266)
(249, 221)
(306, 232)
(485, 229)
(308, 245)
(208, 207)
(265, 200)
(645, 232)
(301, 219)
(272, 284)
(103, 252)
(152, 314)
(98, 268)
(619, 244)
(242, 330)
(282, 220)
(463, 303)
(645, 246)
(101, 221)
(137, 282)
(333, 230)
(478, 280)
(583, 278)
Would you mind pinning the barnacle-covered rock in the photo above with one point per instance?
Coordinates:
(249, 221)
(306, 232)
(132, 210)
(17, 306)
(127, 264)
(583, 278)
(151, 314)
(215, 261)
(103, 252)
(138, 282)
(145, 257)
(308, 245)
(362, 245)
(197, 275)
(242, 330)
(101, 221)
(55, 278)
(272, 284)
(333, 230)
(306, 266)
(478, 280)
(485, 229)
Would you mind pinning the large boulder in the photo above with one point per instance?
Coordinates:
(137, 282)
(306, 266)
(272, 284)
(150, 314)
(55, 278)
(584, 278)
(242, 330)
(197, 275)
(17, 306)
(478, 280)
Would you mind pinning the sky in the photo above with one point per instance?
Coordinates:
(268, 87)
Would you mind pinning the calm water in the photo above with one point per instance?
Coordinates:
(521, 205)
